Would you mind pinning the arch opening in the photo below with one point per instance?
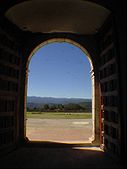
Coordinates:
(94, 126)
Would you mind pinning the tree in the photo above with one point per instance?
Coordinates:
(53, 107)
(35, 109)
(60, 107)
(46, 107)
(72, 107)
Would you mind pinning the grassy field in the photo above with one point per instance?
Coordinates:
(58, 115)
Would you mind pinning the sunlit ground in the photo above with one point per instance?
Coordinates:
(59, 130)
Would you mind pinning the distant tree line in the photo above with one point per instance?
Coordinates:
(70, 107)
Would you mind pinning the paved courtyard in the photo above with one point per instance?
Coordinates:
(63, 130)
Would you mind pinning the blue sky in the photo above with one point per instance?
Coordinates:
(59, 69)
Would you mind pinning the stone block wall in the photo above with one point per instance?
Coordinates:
(109, 81)
(9, 90)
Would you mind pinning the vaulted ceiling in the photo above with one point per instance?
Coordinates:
(74, 16)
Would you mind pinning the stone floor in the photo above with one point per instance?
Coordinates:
(57, 156)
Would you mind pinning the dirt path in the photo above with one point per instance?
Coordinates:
(63, 130)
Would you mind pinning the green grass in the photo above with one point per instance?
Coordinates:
(58, 115)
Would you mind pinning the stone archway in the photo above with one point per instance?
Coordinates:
(17, 39)
(95, 139)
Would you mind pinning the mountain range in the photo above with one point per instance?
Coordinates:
(53, 100)
(39, 102)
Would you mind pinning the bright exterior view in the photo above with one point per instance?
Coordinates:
(59, 105)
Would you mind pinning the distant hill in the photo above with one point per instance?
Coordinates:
(33, 101)
(52, 100)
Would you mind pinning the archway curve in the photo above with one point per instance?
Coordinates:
(61, 40)
(93, 140)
